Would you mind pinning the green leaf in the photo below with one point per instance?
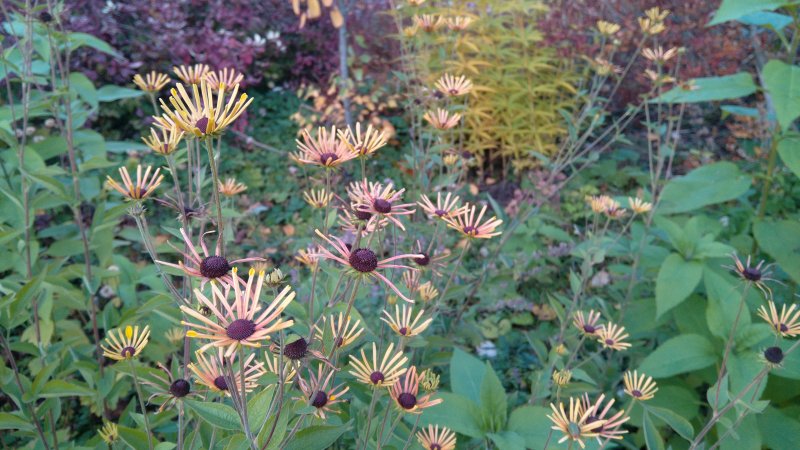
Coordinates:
(61, 388)
(779, 430)
(317, 437)
(110, 93)
(723, 294)
(681, 354)
(707, 185)
(675, 421)
(676, 280)
(767, 19)
(532, 424)
(216, 414)
(258, 406)
(494, 404)
(466, 375)
(84, 87)
(508, 440)
(779, 240)
(710, 89)
(735, 9)
(789, 150)
(10, 421)
(455, 412)
(133, 437)
(782, 81)
(78, 40)
(651, 435)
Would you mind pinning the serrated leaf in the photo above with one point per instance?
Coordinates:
(216, 414)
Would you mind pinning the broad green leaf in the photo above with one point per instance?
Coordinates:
(779, 239)
(133, 437)
(317, 437)
(723, 294)
(706, 185)
(84, 87)
(789, 150)
(110, 93)
(779, 430)
(216, 414)
(710, 89)
(735, 9)
(676, 280)
(493, 401)
(455, 412)
(61, 388)
(10, 421)
(532, 424)
(675, 421)
(681, 354)
(258, 406)
(782, 81)
(767, 19)
(651, 435)
(508, 440)
(466, 375)
(748, 436)
(77, 40)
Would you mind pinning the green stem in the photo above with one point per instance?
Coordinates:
(141, 404)
(215, 190)
(729, 344)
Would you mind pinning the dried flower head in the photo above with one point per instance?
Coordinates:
(453, 87)
(640, 387)
(432, 438)
(442, 119)
(773, 357)
(429, 380)
(308, 257)
(200, 114)
(363, 144)
(427, 291)
(607, 29)
(320, 394)
(166, 143)
(224, 79)
(168, 389)
(191, 74)
(759, 275)
(653, 22)
(471, 227)
(405, 394)
(343, 327)
(151, 82)
(231, 187)
(144, 186)
(574, 423)
(125, 344)
(318, 198)
(402, 323)
(326, 150)
(450, 160)
(379, 374)
(786, 324)
(604, 67)
(242, 322)
(613, 336)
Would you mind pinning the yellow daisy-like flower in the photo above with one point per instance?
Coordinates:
(607, 28)
(109, 433)
(562, 377)
(318, 198)
(167, 142)
(786, 324)
(308, 257)
(200, 114)
(604, 67)
(410, 31)
(470, 226)
(402, 323)
(587, 325)
(658, 54)
(416, 2)
(224, 79)
(405, 393)
(441, 119)
(451, 86)
(653, 22)
(126, 344)
(575, 424)
(450, 159)
(613, 336)
(211, 371)
(231, 187)
(325, 150)
(363, 144)
(191, 74)
(427, 291)
(458, 23)
(639, 206)
(428, 22)
(432, 438)
(443, 209)
(640, 387)
(350, 331)
(379, 374)
(142, 188)
(151, 82)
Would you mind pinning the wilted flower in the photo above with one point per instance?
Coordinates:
(168, 388)
(467, 224)
(403, 325)
(442, 119)
(325, 150)
(191, 74)
(405, 393)
(640, 387)
(758, 275)
(787, 324)
(151, 82)
(574, 424)
(224, 79)
(127, 344)
(379, 374)
(318, 391)
(166, 143)
(604, 67)
(201, 115)
(231, 187)
(429, 380)
(142, 188)
(427, 291)
(432, 438)
(450, 85)
(317, 198)
(450, 159)
(210, 371)
(238, 323)
(308, 257)
(613, 336)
